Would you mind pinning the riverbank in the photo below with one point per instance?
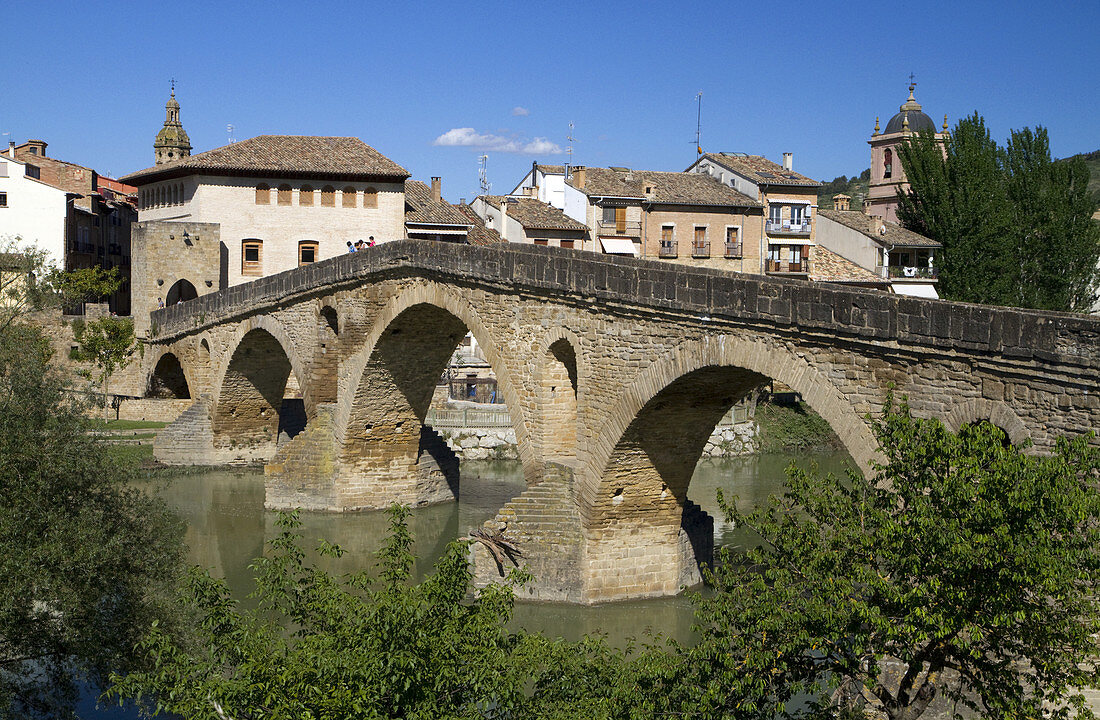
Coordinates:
(793, 428)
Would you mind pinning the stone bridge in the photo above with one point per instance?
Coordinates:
(615, 372)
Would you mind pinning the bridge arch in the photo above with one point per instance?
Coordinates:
(387, 386)
(558, 366)
(249, 414)
(169, 378)
(684, 385)
(977, 410)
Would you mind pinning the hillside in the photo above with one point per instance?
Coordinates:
(856, 186)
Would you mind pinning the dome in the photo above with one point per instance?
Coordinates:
(910, 110)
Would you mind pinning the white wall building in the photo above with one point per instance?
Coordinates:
(32, 210)
(281, 200)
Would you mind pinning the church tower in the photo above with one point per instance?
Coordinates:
(887, 174)
(172, 142)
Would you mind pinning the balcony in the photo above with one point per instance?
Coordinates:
(733, 249)
(908, 272)
(783, 266)
(700, 249)
(667, 249)
(619, 229)
(786, 227)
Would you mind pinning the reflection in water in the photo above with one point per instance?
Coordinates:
(227, 527)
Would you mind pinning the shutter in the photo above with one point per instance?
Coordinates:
(620, 220)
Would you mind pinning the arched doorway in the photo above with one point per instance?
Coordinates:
(181, 291)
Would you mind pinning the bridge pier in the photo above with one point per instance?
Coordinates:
(626, 559)
(312, 472)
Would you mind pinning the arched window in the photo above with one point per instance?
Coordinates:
(180, 195)
(370, 198)
(160, 196)
(283, 196)
(263, 194)
(348, 199)
(252, 257)
(305, 195)
(328, 196)
(175, 195)
(888, 164)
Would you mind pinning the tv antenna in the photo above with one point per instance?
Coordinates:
(483, 176)
(229, 129)
(699, 123)
(569, 148)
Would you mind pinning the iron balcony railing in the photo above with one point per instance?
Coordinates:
(622, 229)
(786, 227)
(733, 249)
(496, 417)
(912, 272)
(700, 249)
(667, 249)
(784, 266)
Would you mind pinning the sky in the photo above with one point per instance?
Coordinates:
(434, 86)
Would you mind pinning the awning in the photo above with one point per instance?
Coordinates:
(619, 246)
(924, 290)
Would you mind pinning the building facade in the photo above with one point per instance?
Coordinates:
(529, 220)
(32, 211)
(788, 202)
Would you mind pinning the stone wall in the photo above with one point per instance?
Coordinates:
(162, 256)
(165, 411)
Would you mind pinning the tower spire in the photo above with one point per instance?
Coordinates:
(172, 142)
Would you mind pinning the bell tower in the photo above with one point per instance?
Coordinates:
(172, 142)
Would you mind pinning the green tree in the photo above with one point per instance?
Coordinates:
(84, 555)
(1016, 227)
(964, 568)
(317, 646)
(108, 343)
(83, 285)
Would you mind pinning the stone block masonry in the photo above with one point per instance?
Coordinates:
(616, 369)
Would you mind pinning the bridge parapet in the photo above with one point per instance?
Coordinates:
(574, 276)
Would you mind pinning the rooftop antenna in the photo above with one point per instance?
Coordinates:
(483, 176)
(229, 129)
(699, 124)
(569, 149)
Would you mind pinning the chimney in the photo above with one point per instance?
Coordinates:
(530, 192)
(788, 160)
(503, 229)
(437, 189)
(578, 177)
(877, 226)
(11, 149)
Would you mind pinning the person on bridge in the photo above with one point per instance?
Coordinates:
(351, 248)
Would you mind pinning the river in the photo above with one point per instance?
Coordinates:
(227, 527)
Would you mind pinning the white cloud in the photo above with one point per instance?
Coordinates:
(520, 111)
(468, 137)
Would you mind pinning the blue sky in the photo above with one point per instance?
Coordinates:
(506, 79)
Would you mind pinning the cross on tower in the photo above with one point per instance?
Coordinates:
(173, 85)
(912, 81)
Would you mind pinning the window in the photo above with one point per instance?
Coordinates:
(263, 194)
(774, 253)
(284, 195)
(328, 196)
(668, 241)
(370, 198)
(609, 215)
(567, 244)
(542, 241)
(307, 252)
(3, 199)
(700, 236)
(348, 199)
(305, 195)
(797, 214)
(775, 213)
(252, 256)
(796, 254)
(733, 242)
(888, 163)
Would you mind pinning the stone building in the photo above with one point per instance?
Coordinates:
(789, 200)
(682, 217)
(281, 201)
(887, 174)
(172, 142)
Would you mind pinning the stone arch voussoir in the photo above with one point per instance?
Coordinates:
(760, 357)
(995, 411)
(184, 356)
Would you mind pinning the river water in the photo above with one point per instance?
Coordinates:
(227, 526)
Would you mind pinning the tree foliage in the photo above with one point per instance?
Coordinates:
(965, 568)
(84, 555)
(107, 343)
(1016, 227)
(322, 647)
